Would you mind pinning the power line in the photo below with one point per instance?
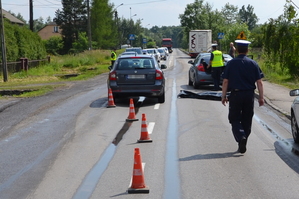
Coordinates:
(143, 2)
(294, 4)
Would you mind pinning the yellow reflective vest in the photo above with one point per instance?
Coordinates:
(218, 59)
(113, 56)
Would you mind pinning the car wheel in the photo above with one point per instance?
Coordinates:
(189, 81)
(195, 83)
(161, 99)
(294, 126)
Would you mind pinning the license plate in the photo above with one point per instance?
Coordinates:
(135, 76)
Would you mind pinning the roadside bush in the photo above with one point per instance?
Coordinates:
(22, 42)
(54, 45)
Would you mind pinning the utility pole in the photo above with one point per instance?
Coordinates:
(3, 46)
(89, 26)
(31, 14)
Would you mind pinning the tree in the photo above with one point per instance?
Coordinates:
(230, 13)
(54, 45)
(247, 16)
(72, 19)
(81, 44)
(281, 44)
(194, 16)
(103, 27)
(198, 15)
(231, 34)
(38, 24)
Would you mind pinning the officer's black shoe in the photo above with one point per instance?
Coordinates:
(242, 145)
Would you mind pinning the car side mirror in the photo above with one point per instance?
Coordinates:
(294, 92)
(163, 66)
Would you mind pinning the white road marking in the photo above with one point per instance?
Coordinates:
(150, 127)
(157, 106)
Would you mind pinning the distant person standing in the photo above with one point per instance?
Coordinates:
(241, 76)
(113, 56)
(217, 63)
(232, 50)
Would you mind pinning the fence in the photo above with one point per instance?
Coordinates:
(24, 64)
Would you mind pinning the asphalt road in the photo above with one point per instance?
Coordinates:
(67, 144)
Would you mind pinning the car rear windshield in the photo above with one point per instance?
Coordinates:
(134, 50)
(135, 63)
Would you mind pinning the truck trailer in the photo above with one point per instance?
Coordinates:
(200, 41)
(167, 42)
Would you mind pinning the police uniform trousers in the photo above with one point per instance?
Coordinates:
(216, 74)
(241, 104)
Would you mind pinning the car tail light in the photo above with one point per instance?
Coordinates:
(159, 75)
(200, 67)
(112, 76)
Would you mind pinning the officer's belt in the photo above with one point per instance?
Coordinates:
(240, 90)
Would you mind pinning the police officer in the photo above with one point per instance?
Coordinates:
(241, 76)
(217, 63)
(113, 56)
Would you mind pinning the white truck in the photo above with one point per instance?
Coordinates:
(200, 41)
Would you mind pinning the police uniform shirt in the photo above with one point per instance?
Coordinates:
(242, 73)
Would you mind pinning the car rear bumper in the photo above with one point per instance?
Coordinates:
(137, 90)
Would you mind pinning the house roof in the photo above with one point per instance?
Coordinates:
(11, 18)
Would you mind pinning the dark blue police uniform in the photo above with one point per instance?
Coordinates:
(242, 73)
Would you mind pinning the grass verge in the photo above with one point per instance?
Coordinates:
(46, 78)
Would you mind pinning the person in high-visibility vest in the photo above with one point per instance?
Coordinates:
(113, 56)
(217, 64)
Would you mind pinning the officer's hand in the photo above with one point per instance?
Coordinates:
(261, 101)
(224, 100)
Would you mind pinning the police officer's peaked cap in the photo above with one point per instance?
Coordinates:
(214, 45)
(242, 42)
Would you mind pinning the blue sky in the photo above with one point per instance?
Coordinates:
(152, 12)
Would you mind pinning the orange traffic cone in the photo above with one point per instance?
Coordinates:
(110, 99)
(131, 116)
(138, 185)
(144, 137)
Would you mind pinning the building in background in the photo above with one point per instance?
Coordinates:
(49, 30)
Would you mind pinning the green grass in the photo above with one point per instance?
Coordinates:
(40, 79)
(273, 72)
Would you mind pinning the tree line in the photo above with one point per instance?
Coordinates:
(277, 37)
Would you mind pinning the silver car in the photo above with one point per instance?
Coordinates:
(199, 74)
(295, 115)
(139, 75)
(154, 52)
(163, 54)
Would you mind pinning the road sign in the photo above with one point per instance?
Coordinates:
(242, 35)
(131, 37)
(220, 35)
(144, 40)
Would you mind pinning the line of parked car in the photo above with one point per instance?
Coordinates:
(159, 53)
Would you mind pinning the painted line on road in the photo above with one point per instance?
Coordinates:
(150, 127)
(172, 181)
(157, 106)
